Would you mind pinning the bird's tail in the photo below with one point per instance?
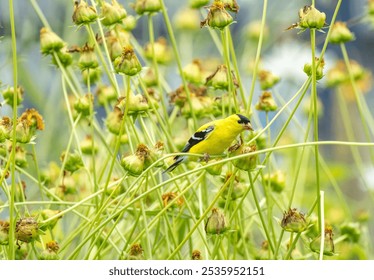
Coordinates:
(178, 160)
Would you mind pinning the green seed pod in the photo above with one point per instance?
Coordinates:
(246, 163)
(128, 62)
(276, 180)
(193, 72)
(50, 252)
(294, 221)
(20, 157)
(4, 233)
(154, 154)
(5, 128)
(238, 189)
(88, 147)
(187, 20)
(93, 75)
(88, 58)
(83, 13)
(137, 103)
(215, 169)
(134, 164)
(266, 102)
(319, 69)
(73, 161)
(112, 13)
(216, 223)
(114, 120)
(217, 16)
(106, 95)
(149, 78)
(84, 105)
(220, 79)
(253, 31)
(340, 33)
(8, 95)
(129, 23)
(27, 229)
(352, 230)
(310, 17)
(267, 79)
(64, 57)
(329, 247)
(146, 6)
(161, 51)
(50, 42)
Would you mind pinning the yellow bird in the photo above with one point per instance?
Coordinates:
(214, 137)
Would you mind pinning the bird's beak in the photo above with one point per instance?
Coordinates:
(248, 127)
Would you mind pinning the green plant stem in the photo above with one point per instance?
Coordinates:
(11, 251)
(155, 66)
(364, 119)
(315, 115)
(258, 207)
(231, 87)
(321, 203)
(258, 55)
(178, 60)
(236, 68)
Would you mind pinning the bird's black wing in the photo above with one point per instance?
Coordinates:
(197, 137)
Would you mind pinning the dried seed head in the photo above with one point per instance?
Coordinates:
(134, 164)
(9, 92)
(88, 146)
(329, 247)
(193, 72)
(83, 13)
(220, 79)
(196, 255)
(266, 102)
(319, 70)
(246, 163)
(50, 252)
(276, 180)
(128, 62)
(217, 16)
(106, 95)
(216, 223)
(187, 20)
(73, 161)
(27, 229)
(168, 197)
(50, 42)
(4, 232)
(294, 221)
(146, 6)
(310, 17)
(84, 105)
(159, 50)
(267, 79)
(88, 58)
(136, 252)
(112, 13)
(340, 33)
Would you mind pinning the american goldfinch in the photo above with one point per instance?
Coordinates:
(214, 137)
